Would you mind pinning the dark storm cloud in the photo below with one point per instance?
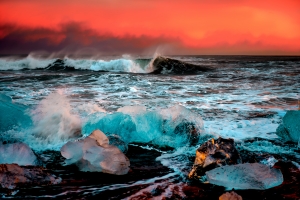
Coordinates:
(72, 37)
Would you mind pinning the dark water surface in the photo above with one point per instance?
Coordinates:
(241, 97)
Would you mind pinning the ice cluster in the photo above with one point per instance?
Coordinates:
(95, 154)
(18, 153)
(245, 176)
(174, 127)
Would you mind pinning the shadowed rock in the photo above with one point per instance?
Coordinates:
(188, 129)
(212, 154)
(172, 66)
(13, 175)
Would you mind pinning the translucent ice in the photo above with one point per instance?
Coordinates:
(245, 176)
(94, 153)
(12, 115)
(173, 127)
(18, 153)
(290, 127)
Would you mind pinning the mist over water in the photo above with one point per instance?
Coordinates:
(242, 98)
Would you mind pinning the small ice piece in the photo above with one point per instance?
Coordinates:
(95, 154)
(18, 153)
(270, 161)
(230, 196)
(290, 128)
(245, 176)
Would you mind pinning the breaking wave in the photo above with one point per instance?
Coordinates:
(53, 122)
(158, 65)
(116, 65)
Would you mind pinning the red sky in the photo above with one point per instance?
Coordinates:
(260, 27)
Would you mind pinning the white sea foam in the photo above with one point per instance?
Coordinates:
(53, 119)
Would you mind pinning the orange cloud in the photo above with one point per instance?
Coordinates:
(198, 24)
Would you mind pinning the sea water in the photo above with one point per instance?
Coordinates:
(47, 102)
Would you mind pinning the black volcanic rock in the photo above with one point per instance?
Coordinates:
(212, 154)
(172, 66)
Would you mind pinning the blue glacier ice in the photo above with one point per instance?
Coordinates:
(290, 128)
(173, 127)
(13, 115)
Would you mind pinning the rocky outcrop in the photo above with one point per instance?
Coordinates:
(172, 66)
(13, 175)
(289, 130)
(245, 176)
(18, 153)
(95, 154)
(212, 154)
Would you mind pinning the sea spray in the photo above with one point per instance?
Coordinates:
(53, 119)
(29, 62)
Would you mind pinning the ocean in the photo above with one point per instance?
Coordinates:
(46, 99)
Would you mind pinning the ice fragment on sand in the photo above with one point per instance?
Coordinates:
(245, 176)
(18, 153)
(290, 128)
(95, 154)
(230, 196)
